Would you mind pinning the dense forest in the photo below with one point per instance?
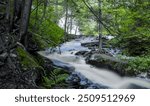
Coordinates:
(30, 26)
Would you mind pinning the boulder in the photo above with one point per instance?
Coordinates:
(107, 62)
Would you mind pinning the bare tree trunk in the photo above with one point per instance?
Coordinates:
(100, 26)
(66, 18)
(71, 22)
(67, 30)
(76, 30)
(25, 20)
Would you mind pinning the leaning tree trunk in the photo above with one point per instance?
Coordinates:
(25, 20)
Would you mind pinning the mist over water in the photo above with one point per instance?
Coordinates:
(96, 75)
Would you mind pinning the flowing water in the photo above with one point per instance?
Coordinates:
(96, 75)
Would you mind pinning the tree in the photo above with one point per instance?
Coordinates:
(99, 25)
(66, 18)
(26, 9)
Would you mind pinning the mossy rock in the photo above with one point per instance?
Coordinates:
(108, 62)
(27, 61)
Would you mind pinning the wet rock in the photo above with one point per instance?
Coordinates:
(97, 86)
(142, 75)
(90, 44)
(81, 53)
(73, 79)
(107, 62)
(83, 83)
(63, 65)
(135, 86)
(148, 74)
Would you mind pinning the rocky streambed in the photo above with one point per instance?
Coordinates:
(81, 58)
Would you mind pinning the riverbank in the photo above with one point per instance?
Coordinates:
(72, 53)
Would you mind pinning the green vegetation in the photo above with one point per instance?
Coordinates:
(128, 21)
(45, 32)
(52, 77)
(57, 77)
(33, 25)
(137, 65)
(27, 61)
(131, 21)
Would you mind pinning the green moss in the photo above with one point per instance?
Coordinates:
(49, 34)
(26, 60)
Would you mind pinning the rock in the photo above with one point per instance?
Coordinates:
(148, 74)
(73, 79)
(93, 86)
(90, 44)
(13, 55)
(3, 57)
(107, 62)
(97, 86)
(83, 83)
(135, 86)
(63, 65)
(81, 53)
(142, 75)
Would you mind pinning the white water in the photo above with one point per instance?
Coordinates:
(100, 76)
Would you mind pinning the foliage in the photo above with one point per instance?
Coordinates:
(46, 32)
(131, 21)
(58, 76)
(136, 65)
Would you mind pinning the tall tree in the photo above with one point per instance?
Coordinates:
(99, 24)
(26, 10)
(66, 18)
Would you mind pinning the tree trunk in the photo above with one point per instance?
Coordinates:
(25, 20)
(56, 12)
(76, 30)
(66, 18)
(71, 22)
(99, 25)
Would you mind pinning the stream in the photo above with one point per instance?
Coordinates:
(102, 77)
